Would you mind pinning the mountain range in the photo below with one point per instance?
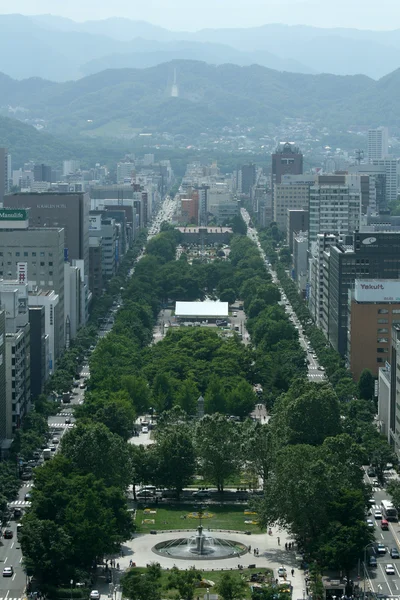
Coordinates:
(60, 49)
(124, 102)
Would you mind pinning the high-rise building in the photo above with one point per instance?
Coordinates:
(369, 341)
(376, 202)
(69, 211)
(246, 178)
(297, 220)
(378, 143)
(70, 166)
(316, 268)
(335, 205)
(288, 197)
(3, 397)
(42, 173)
(287, 159)
(369, 257)
(300, 261)
(390, 164)
(38, 349)
(4, 174)
(125, 172)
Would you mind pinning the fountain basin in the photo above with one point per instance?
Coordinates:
(200, 547)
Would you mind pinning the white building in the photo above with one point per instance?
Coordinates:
(316, 268)
(289, 196)
(390, 164)
(51, 302)
(378, 143)
(125, 171)
(70, 166)
(335, 207)
(300, 260)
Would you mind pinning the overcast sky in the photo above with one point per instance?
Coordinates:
(197, 14)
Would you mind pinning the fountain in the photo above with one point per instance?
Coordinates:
(201, 546)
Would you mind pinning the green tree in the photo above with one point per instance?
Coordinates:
(136, 586)
(393, 489)
(343, 545)
(187, 396)
(163, 395)
(366, 385)
(231, 587)
(217, 442)
(184, 582)
(241, 399)
(228, 295)
(215, 400)
(92, 448)
(139, 392)
(175, 459)
(114, 410)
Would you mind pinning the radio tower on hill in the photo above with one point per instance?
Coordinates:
(174, 88)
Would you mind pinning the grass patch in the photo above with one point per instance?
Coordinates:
(214, 576)
(176, 517)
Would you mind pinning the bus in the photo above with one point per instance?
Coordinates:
(388, 511)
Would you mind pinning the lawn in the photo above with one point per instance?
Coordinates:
(214, 576)
(177, 517)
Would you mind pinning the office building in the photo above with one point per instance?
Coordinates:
(375, 201)
(5, 174)
(95, 266)
(378, 143)
(190, 209)
(300, 260)
(246, 179)
(35, 256)
(369, 342)
(289, 197)
(384, 392)
(393, 410)
(42, 173)
(390, 165)
(69, 211)
(3, 396)
(39, 349)
(335, 205)
(70, 167)
(125, 172)
(317, 264)
(104, 227)
(369, 257)
(53, 316)
(297, 220)
(287, 159)
(17, 354)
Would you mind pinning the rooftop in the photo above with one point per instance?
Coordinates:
(202, 309)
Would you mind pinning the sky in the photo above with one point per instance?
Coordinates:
(197, 14)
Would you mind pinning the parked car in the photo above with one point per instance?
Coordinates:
(94, 595)
(394, 553)
(390, 570)
(372, 561)
(380, 548)
(201, 494)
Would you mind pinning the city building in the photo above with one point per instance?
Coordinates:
(190, 209)
(384, 394)
(42, 173)
(5, 174)
(39, 349)
(288, 197)
(3, 395)
(316, 267)
(300, 260)
(297, 220)
(95, 265)
(53, 316)
(246, 179)
(287, 159)
(369, 342)
(335, 205)
(205, 236)
(105, 228)
(70, 167)
(390, 165)
(193, 311)
(69, 211)
(373, 189)
(125, 172)
(368, 257)
(378, 143)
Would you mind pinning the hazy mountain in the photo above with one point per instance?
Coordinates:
(211, 97)
(150, 53)
(61, 49)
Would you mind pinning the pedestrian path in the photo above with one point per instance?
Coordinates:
(316, 376)
(60, 425)
(16, 503)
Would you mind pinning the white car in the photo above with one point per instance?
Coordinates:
(145, 429)
(378, 514)
(94, 595)
(235, 314)
(390, 570)
(8, 572)
(370, 524)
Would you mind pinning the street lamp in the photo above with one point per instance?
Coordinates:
(365, 565)
(71, 583)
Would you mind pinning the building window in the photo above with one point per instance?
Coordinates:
(396, 311)
(18, 254)
(382, 340)
(379, 360)
(42, 254)
(382, 350)
(33, 253)
(383, 330)
(383, 311)
(25, 253)
(383, 321)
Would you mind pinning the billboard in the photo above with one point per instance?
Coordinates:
(14, 218)
(377, 290)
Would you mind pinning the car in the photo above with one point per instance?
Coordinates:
(201, 494)
(234, 314)
(390, 570)
(371, 472)
(26, 475)
(281, 572)
(94, 595)
(145, 429)
(321, 368)
(394, 553)
(82, 386)
(55, 441)
(372, 561)
(314, 355)
(28, 496)
(8, 534)
(8, 572)
(377, 514)
(370, 523)
(53, 447)
(17, 512)
(68, 421)
(380, 548)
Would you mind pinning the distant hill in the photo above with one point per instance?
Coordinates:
(61, 49)
(211, 97)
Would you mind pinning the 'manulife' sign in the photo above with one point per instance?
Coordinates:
(377, 290)
(14, 218)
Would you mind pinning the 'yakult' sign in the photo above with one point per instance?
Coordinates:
(377, 290)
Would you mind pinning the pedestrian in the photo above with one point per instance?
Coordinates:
(279, 541)
(118, 566)
(130, 563)
(249, 548)
(254, 551)
(276, 581)
(290, 545)
(285, 545)
(292, 572)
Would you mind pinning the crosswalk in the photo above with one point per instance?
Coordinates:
(66, 414)
(11, 598)
(20, 503)
(61, 425)
(316, 376)
(28, 484)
